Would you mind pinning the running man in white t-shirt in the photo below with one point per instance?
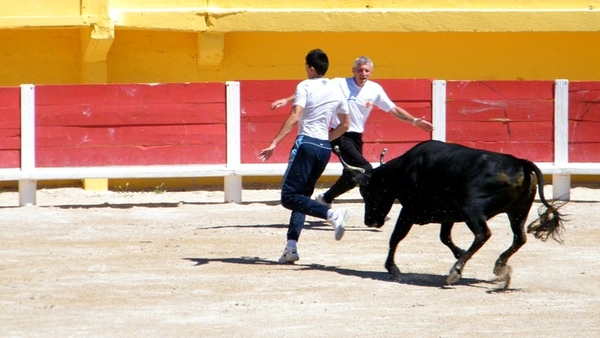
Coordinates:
(361, 94)
(316, 101)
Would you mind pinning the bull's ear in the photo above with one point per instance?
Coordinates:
(363, 178)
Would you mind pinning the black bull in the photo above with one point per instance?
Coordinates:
(437, 182)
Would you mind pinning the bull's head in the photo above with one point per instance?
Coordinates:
(372, 190)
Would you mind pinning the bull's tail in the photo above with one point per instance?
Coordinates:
(550, 223)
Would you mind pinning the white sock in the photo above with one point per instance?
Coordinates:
(331, 214)
(291, 244)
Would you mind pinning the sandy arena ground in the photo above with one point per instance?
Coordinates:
(185, 264)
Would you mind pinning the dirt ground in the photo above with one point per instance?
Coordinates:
(182, 264)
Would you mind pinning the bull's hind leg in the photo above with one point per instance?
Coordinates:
(482, 233)
(400, 231)
(446, 238)
(517, 224)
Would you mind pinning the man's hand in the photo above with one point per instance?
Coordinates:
(423, 124)
(278, 103)
(281, 102)
(266, 153)
(286, 128)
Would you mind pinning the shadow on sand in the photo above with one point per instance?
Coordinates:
(417, 279)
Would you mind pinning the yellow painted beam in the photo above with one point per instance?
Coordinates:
(188, 21)
(359, 20)
(405, 21)
(435, 19)
(356, 4)
(33, 8)
(210, 48)
(8, 22)
(94, 72)
(96, 43)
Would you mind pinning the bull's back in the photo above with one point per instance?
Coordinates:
(443, 180)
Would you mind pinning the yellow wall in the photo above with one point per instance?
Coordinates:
(120, 41)
(451, 56)
(39, 56)
(53, 56)
(96, 41)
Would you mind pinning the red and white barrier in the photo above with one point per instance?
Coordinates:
(216, 130)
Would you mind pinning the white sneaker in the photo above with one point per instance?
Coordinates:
(339, 223)
(320, 199)
(289, 256)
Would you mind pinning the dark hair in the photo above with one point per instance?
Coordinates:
(317, 59)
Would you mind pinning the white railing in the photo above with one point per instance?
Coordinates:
(233, 171)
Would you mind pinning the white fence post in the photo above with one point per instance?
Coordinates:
(233, 183)
(438, 108)
(27, 188)
(561, 183)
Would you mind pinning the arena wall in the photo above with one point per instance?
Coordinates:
(68, 42)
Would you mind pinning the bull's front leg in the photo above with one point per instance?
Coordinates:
(446, 238)
(482, 233)
(400, 231)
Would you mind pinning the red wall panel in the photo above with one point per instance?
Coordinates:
(383, 130)
(407, 90)
(130, 155)
(500, 90)
(130, 124)
(584, 122)
(129, 136)
(502, 132)
(117, 114)
(10, 127)
(185, 123)
(260, 124)
(528, 150)
(514, 117)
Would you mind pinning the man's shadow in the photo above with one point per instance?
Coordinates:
(417, 279)
(312, 225)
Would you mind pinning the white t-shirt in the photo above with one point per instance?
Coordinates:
(321, 99)
(361, 101)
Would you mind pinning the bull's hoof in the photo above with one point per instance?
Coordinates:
(454, 276)
(500, 269)
(394, 271)
(504, 275)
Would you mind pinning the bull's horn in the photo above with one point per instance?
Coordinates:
(382, 155)
(346, 165)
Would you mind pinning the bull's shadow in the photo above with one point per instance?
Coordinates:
(417, 279)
